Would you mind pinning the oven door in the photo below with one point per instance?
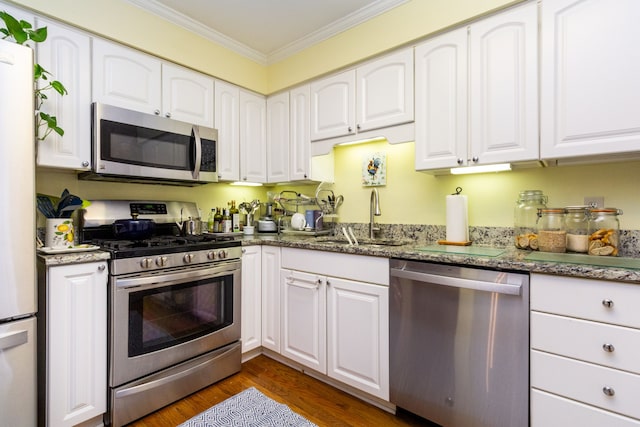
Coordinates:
(158, 320)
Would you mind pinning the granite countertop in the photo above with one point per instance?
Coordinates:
(510, 258)
(73, 257)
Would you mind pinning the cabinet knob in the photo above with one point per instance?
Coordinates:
(358, 127)
(609, 348)
(350, 129)
(102, 267)
(328, 283)
(85, 164)
(167, 114)
(475, 159)
(460, 161)
(607, 303)
(156, 112)
(608, 391)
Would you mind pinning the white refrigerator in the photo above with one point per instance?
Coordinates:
(18, 304)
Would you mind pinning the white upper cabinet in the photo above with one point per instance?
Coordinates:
(67, 56)
(333, 106)
(385, 91)
(483, 110)
(300, 135)
(227, 122)
(278, 138)
(590, 87)
(131, 79)
(187, 96)
(126, 78)
(253, 140)
(441, 101)
(378, 94)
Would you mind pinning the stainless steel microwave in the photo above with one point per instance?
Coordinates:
(137, 147)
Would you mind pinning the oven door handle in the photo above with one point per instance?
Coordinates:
(172, 278)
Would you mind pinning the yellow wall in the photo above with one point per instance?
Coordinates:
(404, 24)
(125, 23)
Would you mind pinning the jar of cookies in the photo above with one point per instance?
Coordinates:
(552, 235)
(604, 231)
(526, 217)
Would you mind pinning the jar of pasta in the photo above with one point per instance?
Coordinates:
(552, 235)
(604, 231)
(577, 226)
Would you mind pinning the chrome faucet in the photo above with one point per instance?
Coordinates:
(374, 209)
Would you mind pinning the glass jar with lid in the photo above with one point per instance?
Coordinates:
(526, 217)
(552, 235)
(577, 226)
(604, 231)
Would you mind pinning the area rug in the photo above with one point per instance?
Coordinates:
(248, 408)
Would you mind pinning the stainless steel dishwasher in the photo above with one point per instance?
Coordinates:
(459, 343)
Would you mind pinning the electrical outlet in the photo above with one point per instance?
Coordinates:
(595, 201)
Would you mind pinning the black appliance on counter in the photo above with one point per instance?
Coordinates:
(173, 304)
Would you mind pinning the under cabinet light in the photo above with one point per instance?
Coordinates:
(500, 167)
(246, 184)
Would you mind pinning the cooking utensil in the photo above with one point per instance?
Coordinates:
(45, 206)
(134, 228)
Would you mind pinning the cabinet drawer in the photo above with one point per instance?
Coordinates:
(548, 410)
(585, 382)
(585, 340)
(362, 268)
(599, 300)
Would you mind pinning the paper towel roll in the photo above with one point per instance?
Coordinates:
(457, 221)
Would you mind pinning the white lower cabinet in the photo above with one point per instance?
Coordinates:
(337, 324)
(75, 325)
(271, 298)
(251, 312)
(585, 338)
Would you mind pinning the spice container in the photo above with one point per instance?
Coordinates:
(526, 217)
(577, 226)
(604, 229)
(552, 236)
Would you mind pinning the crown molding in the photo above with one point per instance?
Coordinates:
(360, 16)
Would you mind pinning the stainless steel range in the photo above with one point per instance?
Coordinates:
(174, 307)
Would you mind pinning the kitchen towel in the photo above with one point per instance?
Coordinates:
(457, 221)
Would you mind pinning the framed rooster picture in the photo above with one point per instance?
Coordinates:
(374, 169)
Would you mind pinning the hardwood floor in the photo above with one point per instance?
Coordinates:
(320, 403)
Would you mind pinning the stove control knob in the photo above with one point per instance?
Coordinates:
(146, 262)
(222, 254)
(187, 258)
(211, 255)
(161, 261)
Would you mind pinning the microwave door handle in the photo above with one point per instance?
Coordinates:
(198, 147)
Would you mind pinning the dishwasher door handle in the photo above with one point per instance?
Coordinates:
(457, 282)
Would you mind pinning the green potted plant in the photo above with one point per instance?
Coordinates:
(21, 32)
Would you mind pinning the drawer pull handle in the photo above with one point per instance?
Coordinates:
(608, 391)
(607, 303)
(609, 348)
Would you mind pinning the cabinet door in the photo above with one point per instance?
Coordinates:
(504, 87)
(253, 141)
(590, 90)
(441, 101)
(278, 138)
(385, 91)
(126, 78)
(358, 335)
(333, 106)
(67, 56)
(76, 345)
(227, 121)
(187, 96)
(251, 321)
(304, 319)
(300, 135)
(271, 298)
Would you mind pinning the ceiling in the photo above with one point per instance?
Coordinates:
(267, 31)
